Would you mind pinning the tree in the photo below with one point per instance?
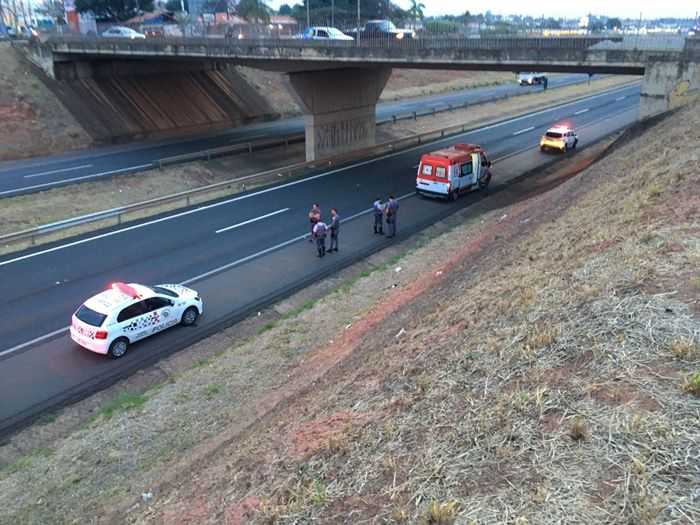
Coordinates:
(118, 10)
(254, 11)
(613, 23)
(416, 11)
(285, 10)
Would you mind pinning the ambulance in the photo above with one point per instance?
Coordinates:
(450, 171)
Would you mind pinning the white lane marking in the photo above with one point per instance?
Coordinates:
(75, 179)
(582, 111)
(523, 131)
(37, 340)
(623, 97)
(250, 221)
(274, 188)
(51, 172)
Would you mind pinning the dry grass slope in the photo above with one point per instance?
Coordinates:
(32, 120)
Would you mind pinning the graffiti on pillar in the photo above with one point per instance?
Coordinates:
(333, 135)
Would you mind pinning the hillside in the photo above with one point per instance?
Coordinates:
(533, 359)
(32, 120)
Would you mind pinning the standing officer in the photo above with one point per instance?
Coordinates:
(392, 209)
(319, 233)
(334, 227)
(378, 210)
(314, 217)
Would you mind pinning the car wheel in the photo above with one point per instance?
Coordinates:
(542, 149)
(575, 143)
(189, 316)
(454, 195)
(118, 347)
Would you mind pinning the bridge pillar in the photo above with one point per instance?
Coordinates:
(340, 107)
(666, 85)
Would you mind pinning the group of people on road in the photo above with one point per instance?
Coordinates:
(385, 211)
(319, 230)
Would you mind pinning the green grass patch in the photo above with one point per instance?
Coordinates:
(267, 327)
(26, 461)
(122, 403)
(212, 391)
(201, 363)
(691, 384)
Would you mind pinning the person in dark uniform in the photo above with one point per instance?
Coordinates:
(334, 228)
(314, 217)
(392, 210)
(378, 211)
(319, 233)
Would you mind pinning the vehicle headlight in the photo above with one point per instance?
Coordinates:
(399, 36)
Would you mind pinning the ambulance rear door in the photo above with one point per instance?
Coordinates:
(432, 178)
(476, 161)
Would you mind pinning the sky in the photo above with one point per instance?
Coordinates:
(617, 8)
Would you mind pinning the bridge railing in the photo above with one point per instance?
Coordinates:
(228, 46)
(229, 43)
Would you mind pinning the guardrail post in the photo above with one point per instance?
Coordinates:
(187, 200)
(415, 117)
(119, 218)
(33, 239)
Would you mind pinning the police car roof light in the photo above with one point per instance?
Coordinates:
(126, 290)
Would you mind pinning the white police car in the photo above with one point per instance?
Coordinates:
(124, 313)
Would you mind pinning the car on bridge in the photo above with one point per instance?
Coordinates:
(110, 321)
(323, 33)
(379, 29)
(122, 32)
(531, 79)
(560, 138)
(450, 171)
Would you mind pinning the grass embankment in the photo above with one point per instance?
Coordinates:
(32, 120)
(537, 362)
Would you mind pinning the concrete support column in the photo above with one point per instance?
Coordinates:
(667, 85)
(340, 108)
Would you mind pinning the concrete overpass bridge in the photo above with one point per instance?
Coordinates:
(338, 83)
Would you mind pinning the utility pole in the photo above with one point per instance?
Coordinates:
(308, 15)
(358, 20)
(332, 13)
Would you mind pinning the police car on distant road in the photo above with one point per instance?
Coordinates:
(110, 321)
(560, 138)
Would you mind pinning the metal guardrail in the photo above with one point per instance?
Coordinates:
(187, 197)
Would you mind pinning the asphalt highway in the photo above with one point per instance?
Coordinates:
(42, 173)
(239, 253)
